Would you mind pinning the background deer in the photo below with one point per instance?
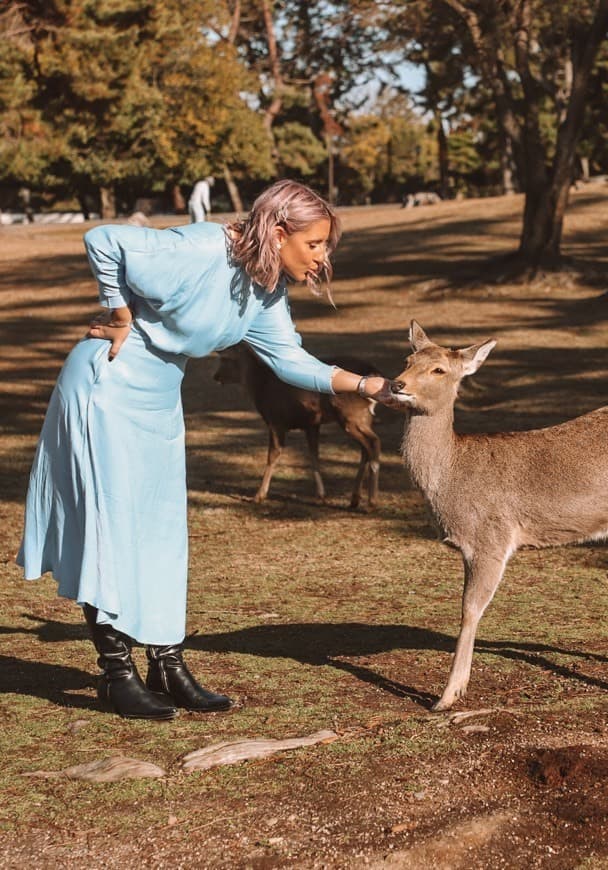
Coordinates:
(494, 493)
(284, 407)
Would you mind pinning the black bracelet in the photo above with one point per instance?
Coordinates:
(361, 386)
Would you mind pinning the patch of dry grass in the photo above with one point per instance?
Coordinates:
(313, 616)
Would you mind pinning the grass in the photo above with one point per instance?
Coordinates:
(310, 615)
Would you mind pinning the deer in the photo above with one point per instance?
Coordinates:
(284, 407)
(494, 493)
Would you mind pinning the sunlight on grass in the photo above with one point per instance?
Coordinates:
(312, 616)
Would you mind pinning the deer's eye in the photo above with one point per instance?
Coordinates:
(438, 371)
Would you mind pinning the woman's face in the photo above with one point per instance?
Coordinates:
(303, 252)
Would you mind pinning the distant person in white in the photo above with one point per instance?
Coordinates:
(199, 204)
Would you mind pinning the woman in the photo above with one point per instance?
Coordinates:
(106, 506)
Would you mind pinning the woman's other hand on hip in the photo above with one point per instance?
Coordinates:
(113, 326)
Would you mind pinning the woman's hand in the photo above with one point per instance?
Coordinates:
(369, 386)
(113, 325)
(381, 390)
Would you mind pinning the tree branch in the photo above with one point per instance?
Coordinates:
(275, 67)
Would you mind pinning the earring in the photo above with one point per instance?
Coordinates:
(279, 246)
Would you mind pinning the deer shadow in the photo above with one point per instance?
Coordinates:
(328, 644)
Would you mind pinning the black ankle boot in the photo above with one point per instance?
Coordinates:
(168, 673)
(120, 684)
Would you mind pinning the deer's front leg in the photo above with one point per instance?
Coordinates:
(482, 574)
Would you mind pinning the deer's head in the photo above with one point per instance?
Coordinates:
(433, 373)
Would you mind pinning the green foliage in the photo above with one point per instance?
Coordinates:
(300, 151)
(464, 155)
(389, 147)
(118, 91)
(205, 124)
(365, 152)
(146, 94)
(25, 149)
(594, 144)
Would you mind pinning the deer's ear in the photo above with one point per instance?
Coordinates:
(418, 337)
(474, 356)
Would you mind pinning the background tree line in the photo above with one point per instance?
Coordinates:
(105, 101)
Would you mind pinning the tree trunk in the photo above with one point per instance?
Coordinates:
(546, 203)
(330, 168)
(520, 119)
(444, 168)
(538, 227)
(276, 73)
(506, 164)
(83, 202)
(233, 191)
(235, 23)
(177, 199)
(107, 199)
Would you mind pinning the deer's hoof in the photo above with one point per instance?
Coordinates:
(441, 706)
(446, 702)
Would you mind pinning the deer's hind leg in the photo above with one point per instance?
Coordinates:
(276, 442)
(312, 439)
(482, 574)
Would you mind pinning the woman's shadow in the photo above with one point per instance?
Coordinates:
(63, 685)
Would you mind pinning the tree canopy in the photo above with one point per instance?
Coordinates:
(118, 98)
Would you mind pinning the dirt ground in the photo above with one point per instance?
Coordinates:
(315, 617)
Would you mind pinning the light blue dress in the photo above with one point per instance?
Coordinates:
(106, 505)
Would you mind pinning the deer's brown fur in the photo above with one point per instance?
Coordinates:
(494, 493)
(284, 407)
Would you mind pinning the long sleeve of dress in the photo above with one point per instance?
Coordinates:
(106, 258)
(274, 339)
(111, 248)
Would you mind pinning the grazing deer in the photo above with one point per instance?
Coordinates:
(284, 407)
(494, 493)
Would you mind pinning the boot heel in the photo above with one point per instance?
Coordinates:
(167, 672)
(120, 686)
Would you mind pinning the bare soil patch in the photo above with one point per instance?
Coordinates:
(315, 617)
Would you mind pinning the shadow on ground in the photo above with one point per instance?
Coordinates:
(315, 644)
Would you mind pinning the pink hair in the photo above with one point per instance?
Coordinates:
(294, 207)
